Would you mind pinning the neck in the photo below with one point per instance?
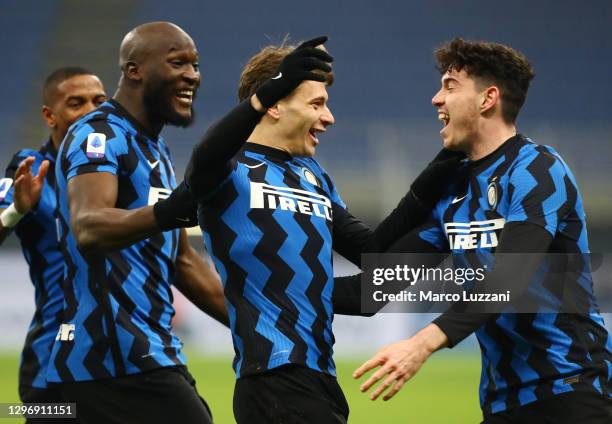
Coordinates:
(490, 137)
(266, 135)
(56, 140)
(133, 102)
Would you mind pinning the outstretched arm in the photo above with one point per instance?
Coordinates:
(400, 361)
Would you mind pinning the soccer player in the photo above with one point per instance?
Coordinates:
(120, 223)
(27, 206)
(270, 217)
(536, 367)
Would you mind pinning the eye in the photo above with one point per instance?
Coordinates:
(177, 63)
(196, 66)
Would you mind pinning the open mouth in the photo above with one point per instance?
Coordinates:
(312, 133)
(445, 118)
(185, 97)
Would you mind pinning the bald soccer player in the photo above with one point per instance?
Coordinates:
(120, 222)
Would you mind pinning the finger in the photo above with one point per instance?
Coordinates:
(310, 76)
(25, 166)
(368, 365)
(316, 53)
(313, 42)
(383, 386)
(18, 181)
(396, 388)
(42, 171)
(310, 64)
(375, 377)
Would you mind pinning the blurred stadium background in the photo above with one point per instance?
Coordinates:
(385, 132)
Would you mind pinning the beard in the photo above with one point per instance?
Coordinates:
(158, 103)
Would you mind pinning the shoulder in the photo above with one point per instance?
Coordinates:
(537, 162)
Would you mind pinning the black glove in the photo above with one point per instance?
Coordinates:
(429, 186)
(179, 210)
(296, 67)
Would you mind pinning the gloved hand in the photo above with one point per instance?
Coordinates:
(296, 67)
(179, 210)
(429, 186)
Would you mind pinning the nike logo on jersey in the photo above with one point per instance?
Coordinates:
(265, 196)
(458, 199)
(254, 166)
(474, 234)
(152, 164)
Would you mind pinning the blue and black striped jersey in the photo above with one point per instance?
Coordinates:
(268, 228)
(118, 305)
(37, 234)
(525, 357)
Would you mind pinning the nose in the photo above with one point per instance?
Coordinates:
(438, 99)
(327, 118)
(192, 74)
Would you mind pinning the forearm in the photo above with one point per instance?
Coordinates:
(347, 293)
(106, 229)
(352, 237)
(208, 164)
(200, 284)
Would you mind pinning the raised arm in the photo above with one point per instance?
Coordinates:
(25, 191)
(209, 164)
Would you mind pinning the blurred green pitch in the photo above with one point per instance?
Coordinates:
(445, 391)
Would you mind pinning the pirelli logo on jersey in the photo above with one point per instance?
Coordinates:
(473, 235)
(265, 196)
(5, 186)
(156, 194)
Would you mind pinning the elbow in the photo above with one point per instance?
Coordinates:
(85, 238)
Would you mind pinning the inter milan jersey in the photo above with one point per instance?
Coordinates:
(36, 232)
(118, 305)
(268, 228)
(525, 357)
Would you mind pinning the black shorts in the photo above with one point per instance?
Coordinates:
(566, 408)
(48, 395)
(290, 394)
(164, 395)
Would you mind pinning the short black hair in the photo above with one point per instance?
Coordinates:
(492, 63)
(57, 77)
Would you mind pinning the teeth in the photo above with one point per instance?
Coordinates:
(186, 93)
(443, 117)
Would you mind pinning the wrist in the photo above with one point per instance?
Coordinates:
(10, 216)
(432, 338)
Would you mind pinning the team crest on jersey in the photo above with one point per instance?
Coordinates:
(266, 196)
(96, 145)
(493, 194)
(5, 186)
(474, 234)
(310, 177)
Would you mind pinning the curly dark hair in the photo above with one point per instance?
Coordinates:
(490, 63)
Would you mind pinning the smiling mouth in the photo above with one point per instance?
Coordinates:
(185, 97)
(313, 137)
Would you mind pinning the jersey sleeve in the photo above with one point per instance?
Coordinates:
(432, 233)
(6, 183)
(94, 147)
(538, 191)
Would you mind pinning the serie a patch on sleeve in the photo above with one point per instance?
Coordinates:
(5, 186)
(96, 145)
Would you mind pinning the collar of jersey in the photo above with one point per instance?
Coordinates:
(125, 114)
(267, 151)
(48, 150)
(492, 157)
